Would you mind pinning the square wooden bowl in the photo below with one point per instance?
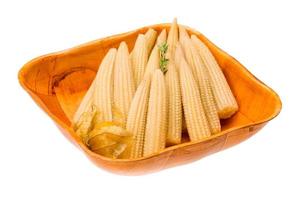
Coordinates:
(58, 81)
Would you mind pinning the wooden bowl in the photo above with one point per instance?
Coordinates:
(58, 81)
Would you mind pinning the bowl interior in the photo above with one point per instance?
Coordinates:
(58, 81)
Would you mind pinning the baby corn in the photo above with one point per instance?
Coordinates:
(161, 37)
(175, 117)
(201, 75)
(142, 101)
(150, 37)
(103, 86)
(139, 59)
(156, 126)
(124, 87)
(182, 34)
(85, 104)
(174, 106)
(197, 125)
(172, 39)
(136, 121)
(153, 62)
(226, 103)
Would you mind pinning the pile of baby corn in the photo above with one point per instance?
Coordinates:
(140, 101)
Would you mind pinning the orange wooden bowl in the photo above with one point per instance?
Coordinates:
(58, 81)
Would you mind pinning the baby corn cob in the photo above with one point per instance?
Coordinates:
(139, 59)
(196, 121)
(150, 37)
(155, 134)
(226, 103)
(182, 34)
(124, 87)
(172, 39)
(136, 121)
(174, 106)
(161, 37)
(201, 75)
(153, 62)
(103, 86)
(85, 104)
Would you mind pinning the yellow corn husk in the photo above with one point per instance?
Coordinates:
(226, 103)
(172, 39)
(155, 135)
(84, 125)
(124, 87)
(153, 62)
(150, 37)
(201, 75)
(139, 58)
(174, 106)
(197, 124)
(103, 86)
(136, 121)
(118, 117)
(110, 140)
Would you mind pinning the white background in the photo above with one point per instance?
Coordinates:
(37, 162)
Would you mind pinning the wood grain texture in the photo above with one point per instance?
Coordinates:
(58, 81)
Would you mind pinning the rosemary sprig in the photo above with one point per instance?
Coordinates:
(163, 62)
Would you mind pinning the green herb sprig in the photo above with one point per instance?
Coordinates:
(163, 62)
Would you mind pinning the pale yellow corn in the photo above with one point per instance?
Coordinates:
(179, 55)
(85, 103)
(89, 98)
(124, 87)
(197, 124)
(150, 37)
(226, 103)
(201, 75)
(136, 121)
(182, 34)
(174, 106)
(155, 135)
(103, 86)
(172, 39)
(153, 62)
(161, 37)
(139, 58)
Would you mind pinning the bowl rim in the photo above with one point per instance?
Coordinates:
(86, 150)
